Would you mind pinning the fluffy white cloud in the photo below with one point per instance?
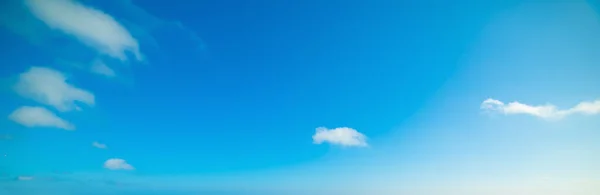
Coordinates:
(547, 111)
(588, 108)
(340, 136)
(39, 117)
(117, 164)
(90, 26)
(102, 69)
(99, 145)
(50, 87)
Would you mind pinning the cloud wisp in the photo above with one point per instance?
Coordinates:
(99, 145)
(547, 111)
(50, 87)
(25, 178)
(343, 136)
(117, 164)
(118, 32)
(92, 27)
(102, 69)
(30, 116)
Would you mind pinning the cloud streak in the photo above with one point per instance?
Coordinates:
(102, 69)
(343, 136)
(90, 26)
(24, 178)
(547, 111)
(50, 87)
(116, 31)
(99, 145)
(29, 116)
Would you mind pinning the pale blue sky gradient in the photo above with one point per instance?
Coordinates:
(228, 98)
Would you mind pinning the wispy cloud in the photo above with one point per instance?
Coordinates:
(343, 136)
(89, 25)
(39, 117)
(50, 87)
(547, 111)
(117, 164)
(24, 178)
(102, 69)
(99, 145)
(117, 31)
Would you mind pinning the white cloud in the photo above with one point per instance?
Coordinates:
(102, 69)
(89, 25)
(39, 117)
(117, 164)
(340, 136)
(547, 111)
(50, 87)
(99, 145)
(588, 108)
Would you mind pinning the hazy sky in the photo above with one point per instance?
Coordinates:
(299, 97)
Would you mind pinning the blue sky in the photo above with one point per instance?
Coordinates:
(311, 97)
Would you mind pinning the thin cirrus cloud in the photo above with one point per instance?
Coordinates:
(547, 111)
(117, 164)
(93, 27)
(343, 136)
(122, 31)
(24, 178)
(30, 116)
(50, 87)
(101, 68)
(99, 145)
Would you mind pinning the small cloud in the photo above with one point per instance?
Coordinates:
(24, 178)
(50, 87)
(343, 136)
(547, 111)
(102, 69)
(39, 117)
(117, 164)
(91, 26)
(99, 145)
